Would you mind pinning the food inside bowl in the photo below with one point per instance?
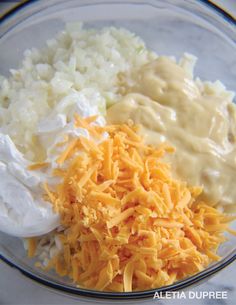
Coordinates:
(121, 162)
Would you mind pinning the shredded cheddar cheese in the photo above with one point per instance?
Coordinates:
(36, 166)
(32, 246)
(128, 224)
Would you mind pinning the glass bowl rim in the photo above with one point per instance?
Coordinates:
(209, 3)
(196, 278)
(209, 271)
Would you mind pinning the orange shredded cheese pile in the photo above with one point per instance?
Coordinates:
(128, 224)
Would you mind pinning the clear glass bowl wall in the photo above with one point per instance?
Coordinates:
(169, 27)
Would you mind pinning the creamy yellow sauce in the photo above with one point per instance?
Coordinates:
(171, 108)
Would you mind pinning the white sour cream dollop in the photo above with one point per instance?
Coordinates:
(23, 212)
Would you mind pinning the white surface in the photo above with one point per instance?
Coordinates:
(18, 290)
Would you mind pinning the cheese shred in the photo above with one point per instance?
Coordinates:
(129, 225)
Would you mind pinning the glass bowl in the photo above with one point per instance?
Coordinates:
(169, 27)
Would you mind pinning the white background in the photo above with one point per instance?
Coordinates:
(18, 290)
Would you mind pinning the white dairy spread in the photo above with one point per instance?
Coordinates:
(22, 209)
(23, 212)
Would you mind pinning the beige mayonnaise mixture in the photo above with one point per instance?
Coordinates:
(171, 108)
